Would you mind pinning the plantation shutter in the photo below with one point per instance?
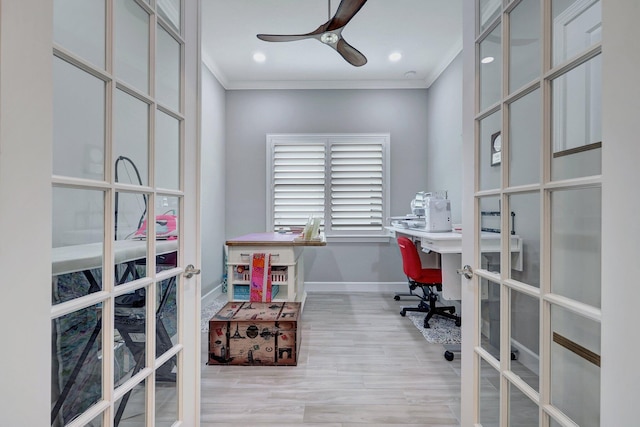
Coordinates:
(357, 182)
(298, 183)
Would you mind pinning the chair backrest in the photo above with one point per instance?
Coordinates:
(410, 258)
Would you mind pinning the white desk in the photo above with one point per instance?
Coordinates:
(69, 259)
(449, 246)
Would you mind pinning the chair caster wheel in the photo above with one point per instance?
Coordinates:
(403, 313)
(514, 356)
(426, 325)
(448, 355)
(397, 298)
(458, 322)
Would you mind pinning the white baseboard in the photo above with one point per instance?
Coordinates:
(213, 294)
(526, 357)
(347, 287)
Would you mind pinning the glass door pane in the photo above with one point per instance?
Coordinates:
(168, 70)
(575, 244)
(167, 151)
(491, 68)
(79, 26)
(523, 412)
(78, 122)
(524, 44)
(131, 140)
(490, 317)
(525, 139)
(489, 395)
(132, 44)
(575, 366)
(490, 155)
(577, 25)
(525, 337)
(525, 250)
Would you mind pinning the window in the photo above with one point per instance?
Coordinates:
(342, 179)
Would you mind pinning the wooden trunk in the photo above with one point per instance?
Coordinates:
(255, 333)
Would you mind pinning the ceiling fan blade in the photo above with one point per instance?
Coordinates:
(283, 37)
(346, 11)
(350, 53)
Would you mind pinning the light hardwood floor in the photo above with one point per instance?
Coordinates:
(360, 363)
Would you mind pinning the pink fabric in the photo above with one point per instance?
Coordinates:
(260, 289)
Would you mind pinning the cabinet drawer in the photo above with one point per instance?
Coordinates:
(279, 255)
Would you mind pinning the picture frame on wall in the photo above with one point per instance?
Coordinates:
(496, 149)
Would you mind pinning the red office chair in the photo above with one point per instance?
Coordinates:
(426, 279)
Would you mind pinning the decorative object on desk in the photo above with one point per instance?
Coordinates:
(330, 33)
(311, 231)
(260, 277)
(496, 149)
(441, 331)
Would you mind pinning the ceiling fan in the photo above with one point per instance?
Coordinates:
(330, 33)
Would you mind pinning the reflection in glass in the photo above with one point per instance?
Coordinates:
(78, 233)
(166, 396)
(79, 27)
(577, 122)
(489, 395)
(525, 335)
(524, 44)
(132, 44)
(76, 363)
(491, 68)
(96, 422)
(575, 366)
(490, 230)
(523, 412)
(168, 70)
(576, 26)
(525, 139)
(489, 11)
(169, 10)
(131, 140)
(131, 407)
(576, 228)
(130, 337)
(167, 151)
(78, 122)
(130, 231)
(490, 171)
(490, 317)
(167, 310)
(527, 211)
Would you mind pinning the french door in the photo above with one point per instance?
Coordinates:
(533, 340)
(124, 348)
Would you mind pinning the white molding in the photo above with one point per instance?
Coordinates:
(526, 357)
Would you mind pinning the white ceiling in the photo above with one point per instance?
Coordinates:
(428, 34)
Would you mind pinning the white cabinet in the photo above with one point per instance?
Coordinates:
(286, 272)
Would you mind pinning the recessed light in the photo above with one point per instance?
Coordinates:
(487, 59)
(259, 57)
(395, 57)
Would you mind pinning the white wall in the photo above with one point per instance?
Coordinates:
(252, 114)
(212, 235)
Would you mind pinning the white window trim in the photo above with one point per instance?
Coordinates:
(272, 139)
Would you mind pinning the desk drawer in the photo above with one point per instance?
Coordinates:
(279, 255)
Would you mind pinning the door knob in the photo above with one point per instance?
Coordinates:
(190, 271)
(465, 271)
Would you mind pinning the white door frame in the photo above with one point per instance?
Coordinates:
(26, 114)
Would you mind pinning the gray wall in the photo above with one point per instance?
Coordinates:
(444, 136)
(252, 114)
(213, 180)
